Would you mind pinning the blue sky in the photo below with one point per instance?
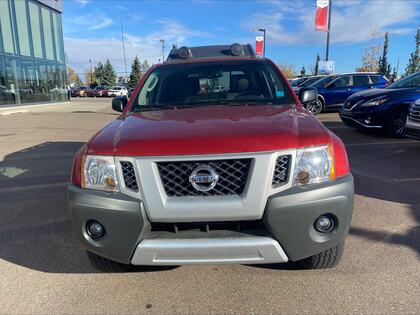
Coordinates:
(92, 29)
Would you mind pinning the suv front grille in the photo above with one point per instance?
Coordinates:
(233, 176)
(129, 175)
(281, 170)
(414, 113)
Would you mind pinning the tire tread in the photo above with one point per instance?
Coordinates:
(324, 260)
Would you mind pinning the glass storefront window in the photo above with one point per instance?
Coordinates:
(36, 30)
(22, 27)
(32, 65)
(57, 36)
(6, 27)
(48, 39)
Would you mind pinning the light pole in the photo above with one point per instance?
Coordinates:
(263, 31)
(328, 31)
(90, 71)
(123, 46)
(162, 41)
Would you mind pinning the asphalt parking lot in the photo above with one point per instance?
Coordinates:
(44, 270)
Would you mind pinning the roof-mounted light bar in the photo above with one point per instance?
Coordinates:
(184, 52)
(217, 51)
(236, 50)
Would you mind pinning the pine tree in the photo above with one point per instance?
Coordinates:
(99, 73)
(414, 62)
(384, 66)
(303, 71)
(318, 58)
(109, 75)
(136, 73)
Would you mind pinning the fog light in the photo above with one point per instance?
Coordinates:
(324, 224)
(95, 229)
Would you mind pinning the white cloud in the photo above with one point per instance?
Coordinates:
(352, 20)
(80, 50)
(93, 21)
(82, 3)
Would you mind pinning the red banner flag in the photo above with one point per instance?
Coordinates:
(259, 46)
(321, 17)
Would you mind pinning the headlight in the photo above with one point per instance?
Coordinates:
(99, 173)
(314, 165)
(374, 102)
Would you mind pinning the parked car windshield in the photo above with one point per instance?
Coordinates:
(297, 82)
(308, 82)
(412, 81)
(207, 83)
(322, 82)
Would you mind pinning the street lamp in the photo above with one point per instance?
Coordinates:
(162, 41)
(263, 31)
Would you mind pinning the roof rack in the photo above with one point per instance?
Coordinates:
(229, 51)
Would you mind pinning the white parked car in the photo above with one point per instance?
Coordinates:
(118, 91)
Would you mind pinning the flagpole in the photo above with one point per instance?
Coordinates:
(328, 31)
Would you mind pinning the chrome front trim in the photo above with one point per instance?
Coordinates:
(362, 124)
(242, 250)
(247, 206)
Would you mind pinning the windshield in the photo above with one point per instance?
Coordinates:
(297, 82)
(309, 82)
(412, 81)
(116, 88)
(322, 82)
(213, 83)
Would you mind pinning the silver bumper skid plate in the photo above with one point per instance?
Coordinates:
(243, 250)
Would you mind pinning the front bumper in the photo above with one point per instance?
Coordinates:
(288, 218)
(366, 119)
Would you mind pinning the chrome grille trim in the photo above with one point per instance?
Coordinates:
(414, 113)
(233, 177)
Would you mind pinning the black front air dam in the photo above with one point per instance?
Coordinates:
(289, 216)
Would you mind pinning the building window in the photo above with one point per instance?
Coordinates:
(57, 36)
(36, 30)
(48, 39)
(22, 27)
(6, 27)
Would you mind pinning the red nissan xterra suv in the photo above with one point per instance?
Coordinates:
(213, 160)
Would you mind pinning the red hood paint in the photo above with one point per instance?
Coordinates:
(209, 130)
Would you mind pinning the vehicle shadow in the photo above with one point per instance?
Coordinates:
(35, 228)
(386, 169)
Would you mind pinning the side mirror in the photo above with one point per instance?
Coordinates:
(308, 95)
(119, 103)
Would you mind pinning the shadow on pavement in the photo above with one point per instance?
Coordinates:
(385, 171)
(35, 229)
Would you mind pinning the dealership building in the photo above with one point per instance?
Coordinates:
(32, 65)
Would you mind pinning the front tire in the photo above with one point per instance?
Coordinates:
(324, 260)
(396, 123)
(105, 265)
(315, 107)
